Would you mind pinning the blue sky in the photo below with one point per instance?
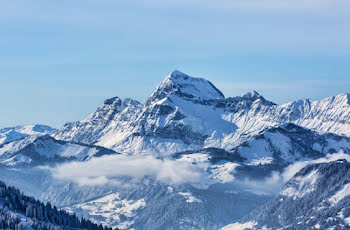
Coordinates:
(60, 59)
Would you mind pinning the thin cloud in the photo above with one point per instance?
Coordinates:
(115, 168)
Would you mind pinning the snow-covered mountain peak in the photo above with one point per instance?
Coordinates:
(111, 107)
(343, 98)
(252, 94)
(14, 133)
(186, 113)
(30, 129)
(176, 74)
(186, 87)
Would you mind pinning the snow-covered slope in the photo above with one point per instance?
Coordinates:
(331, 114)
(110, 210)
(317, 197)
(156, 205)
(34, 150)
(271, 150)
(186, 113)
(110, 121)
(160, 206)
(289, 143)
(18, 132)
(150, 204)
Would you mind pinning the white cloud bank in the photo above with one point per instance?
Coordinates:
(114, 168)
(127, 170)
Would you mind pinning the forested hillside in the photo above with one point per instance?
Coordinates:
(18, 211)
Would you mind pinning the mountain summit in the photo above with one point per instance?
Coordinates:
(184, 86)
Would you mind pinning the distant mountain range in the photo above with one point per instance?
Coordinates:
(186, 113)
(14, 133)
(241, 147)
(39, 149)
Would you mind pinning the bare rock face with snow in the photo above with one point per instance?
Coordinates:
(163, 124)
(186, 113)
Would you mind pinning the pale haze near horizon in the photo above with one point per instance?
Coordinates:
(60, 60)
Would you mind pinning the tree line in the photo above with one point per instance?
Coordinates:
(19, 212)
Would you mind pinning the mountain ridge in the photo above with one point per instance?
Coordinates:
(44, 149)
(13, 133)
(182, 118)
